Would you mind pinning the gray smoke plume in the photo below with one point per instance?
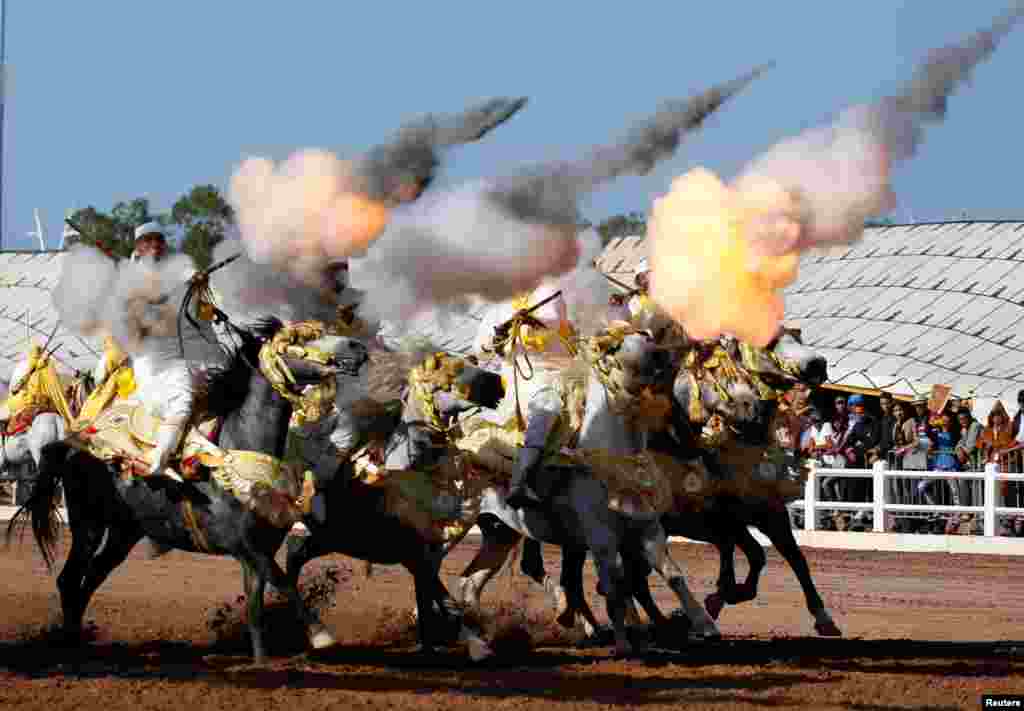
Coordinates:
(840, 174)
(315, 207)
(248, 291)
(498, 238)
(550, 193)
(135, 302)
(411, 157)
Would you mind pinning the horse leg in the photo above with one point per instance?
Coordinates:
(118, 544)
(604, 542)
(498, 541)
(255, 586)
(756, 561)
(531, 564)
(778, 530)
(84, 542)
(266, 570)
(655, 549)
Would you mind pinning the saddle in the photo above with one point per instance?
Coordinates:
(124, 434)
(440, 503)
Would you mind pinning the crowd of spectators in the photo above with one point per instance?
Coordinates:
(842, 431)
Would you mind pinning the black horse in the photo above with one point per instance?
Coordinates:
(191, 516)
(358, 524)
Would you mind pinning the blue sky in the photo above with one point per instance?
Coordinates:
(112, 100)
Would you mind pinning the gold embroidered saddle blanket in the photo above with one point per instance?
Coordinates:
(125, 434)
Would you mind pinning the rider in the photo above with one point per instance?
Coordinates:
(541, 389)
(167, 383)
(30, 396)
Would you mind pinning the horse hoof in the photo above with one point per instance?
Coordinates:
(479, 650)
(828, 629)
(713, 604)
(322, 639)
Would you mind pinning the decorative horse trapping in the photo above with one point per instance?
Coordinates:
(125, 435)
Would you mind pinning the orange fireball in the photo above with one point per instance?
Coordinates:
(705, 273)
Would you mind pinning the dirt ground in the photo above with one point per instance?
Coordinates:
(929, 631)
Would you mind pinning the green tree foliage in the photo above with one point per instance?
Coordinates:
(626, 225)
(114, 232)
(201, 217)
(204, 217)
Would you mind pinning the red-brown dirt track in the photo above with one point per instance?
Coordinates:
(924, 631)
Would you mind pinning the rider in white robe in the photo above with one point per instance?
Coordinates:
(167, 382)
(540, 384)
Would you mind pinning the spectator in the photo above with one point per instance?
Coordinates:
(916, 432)
(996, 441)
(967, 446)
(618, 309)
(922, 415)
(861, 436)
(841, 418)
(817, 440)
(967, 492)
(1011, 462)
(943, 457)
(997, 436)
(831, 486)
(886, 431)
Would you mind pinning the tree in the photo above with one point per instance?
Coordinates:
(626, 225)
(114, 232)
(204, 216)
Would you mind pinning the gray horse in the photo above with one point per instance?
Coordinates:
(724, 522)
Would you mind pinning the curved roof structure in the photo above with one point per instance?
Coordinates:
(907, 307)
(27, 314)
(913, 305)
(26, 280)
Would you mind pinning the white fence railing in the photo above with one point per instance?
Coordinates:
(9, 499)
(990, 508)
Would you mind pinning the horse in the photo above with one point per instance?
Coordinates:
(725, 522)
(579, 514)
(194, 516)
(358, 523)
(24, 445)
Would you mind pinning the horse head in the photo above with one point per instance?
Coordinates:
(630, 360)
(784, 362)
(739, 384)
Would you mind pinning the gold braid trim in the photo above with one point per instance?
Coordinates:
(437, 373)
(42, 391)
(516, 333)
(188, 515)
(647, 409)
(309, 406)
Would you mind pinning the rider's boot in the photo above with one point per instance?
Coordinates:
(520, 494)
(168, 435)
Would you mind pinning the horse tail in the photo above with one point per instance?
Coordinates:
(41, 507)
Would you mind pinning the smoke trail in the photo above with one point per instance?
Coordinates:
(248, 291)
(396, 172)
(550, 193)
(721, 254)
(87, 279)
(840, 174)
(135, 302)
(315, 207)
(496, 239)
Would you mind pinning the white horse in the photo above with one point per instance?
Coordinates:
(23, 447)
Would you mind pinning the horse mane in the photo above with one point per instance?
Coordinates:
(227, 385)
